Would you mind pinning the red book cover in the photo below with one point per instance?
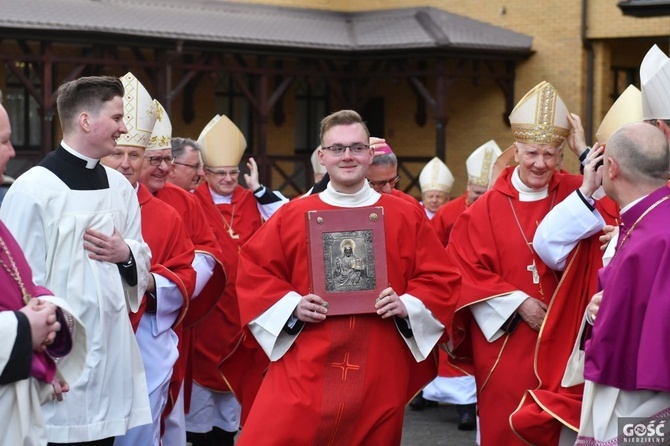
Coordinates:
(347, 257)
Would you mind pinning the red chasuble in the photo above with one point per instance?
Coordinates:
(345, 380)
(171, 248)
(408, 198)
(445, 217)
(442, 222)
(219, 337)
(490, 245)
(544, 410)
(204, 241)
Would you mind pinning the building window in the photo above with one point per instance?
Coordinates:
(311, 106)
(23, 110)
(230, 101)
(622, 77)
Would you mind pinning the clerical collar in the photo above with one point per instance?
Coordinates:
(631, 204)
(220, 199)
(366, 196)
(525, 192)
(90, 162)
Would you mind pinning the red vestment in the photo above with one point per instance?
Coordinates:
(219, 336)
(544, 410)
(407, 197)
(345, 380)
(171, 248)
(491, 245)
(442, 222)
(205, 242)
(445, 217)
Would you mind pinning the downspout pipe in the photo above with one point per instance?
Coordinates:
(590, 56)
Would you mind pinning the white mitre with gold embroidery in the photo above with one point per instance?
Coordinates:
(139, 113)
(317, 167)
(540, 117)
(655, 84)
(222, 143)
(436, 176)
(161, 137)
(480, 163)
(626, 109)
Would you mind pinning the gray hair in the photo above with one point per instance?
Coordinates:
(179, 146)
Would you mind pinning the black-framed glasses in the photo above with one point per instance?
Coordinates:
(157, 160)
(380, 184)
(192, 166)
(355, 149)
(222, 173)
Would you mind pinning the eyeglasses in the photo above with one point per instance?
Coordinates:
(222, 173)
(157, 160)
(192, 166)
(355, 149)
(380, 184)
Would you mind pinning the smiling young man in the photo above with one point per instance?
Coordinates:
(507, 289)
(79, 226)
(329, 381)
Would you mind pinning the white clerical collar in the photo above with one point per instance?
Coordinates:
(429, 214)
(631, 204)
(220, 199)
(366, 196)
(90, 162)
(525, 192)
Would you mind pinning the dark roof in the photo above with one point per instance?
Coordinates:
(645, 8)
(260, 25)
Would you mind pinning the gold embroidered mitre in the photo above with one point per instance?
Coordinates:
(222, 143)
(161, 137)
(436, 176)
(139, 113)
(655, 84)
(626, 109)
(540, 117)
(480, 163)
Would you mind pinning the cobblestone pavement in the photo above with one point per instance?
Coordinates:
(435, 426)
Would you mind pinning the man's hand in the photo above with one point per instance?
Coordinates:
(576, 139)
(389, 304)
(593, 176)
(151, 284)
(252, 177)
(609, 233)
(594, 306)
(533, 311)
(43, 325)
(311, 308)
(106, 248)
(60, 387)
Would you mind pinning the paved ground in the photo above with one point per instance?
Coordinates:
(435, 426)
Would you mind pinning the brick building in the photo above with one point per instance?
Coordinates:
(432, 77)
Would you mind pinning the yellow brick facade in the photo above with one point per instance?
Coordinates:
(475, 113)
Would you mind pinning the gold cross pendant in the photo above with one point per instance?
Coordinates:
(232, 234)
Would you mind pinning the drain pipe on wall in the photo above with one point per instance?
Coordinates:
(588, 47)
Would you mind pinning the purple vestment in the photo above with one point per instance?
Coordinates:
(11, 298)
(629, 346)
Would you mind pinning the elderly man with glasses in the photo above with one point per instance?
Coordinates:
(235, 213)
(383, 172)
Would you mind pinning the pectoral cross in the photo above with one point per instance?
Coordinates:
(232, 234)
(533, 269)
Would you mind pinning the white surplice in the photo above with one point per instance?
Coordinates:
(49, 220)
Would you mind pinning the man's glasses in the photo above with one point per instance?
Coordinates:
(380, 184)
(355, 149)
(192, 166)
(223, 173)
(157, 160)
